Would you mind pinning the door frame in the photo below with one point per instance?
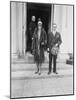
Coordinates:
(50, 29)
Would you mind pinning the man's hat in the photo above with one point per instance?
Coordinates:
(33, 16)
(54, 24)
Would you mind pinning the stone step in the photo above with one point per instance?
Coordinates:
(29, 59)
(33, 66)
(44, 74)
(21, 71)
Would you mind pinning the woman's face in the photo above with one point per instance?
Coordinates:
(39, 26)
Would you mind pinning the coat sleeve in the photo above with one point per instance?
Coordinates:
(33, 40)
(30, 27)
(49, 40)
(45, 37)
(59, 40)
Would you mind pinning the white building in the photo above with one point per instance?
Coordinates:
(62, 15)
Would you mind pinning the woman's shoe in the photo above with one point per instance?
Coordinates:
(39, 73)
(36, 72)
(49, 73)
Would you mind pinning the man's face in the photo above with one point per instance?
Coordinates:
(33, 18)
(54, 27)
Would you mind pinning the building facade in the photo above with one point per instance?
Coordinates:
(62, 15)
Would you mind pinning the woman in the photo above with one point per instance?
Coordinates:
(39, 42)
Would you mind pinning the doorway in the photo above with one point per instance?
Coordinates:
(42, 11)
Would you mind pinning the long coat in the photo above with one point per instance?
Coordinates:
(32, 27)
(54, 40)
(38, 45)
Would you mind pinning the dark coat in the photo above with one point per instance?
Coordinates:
(32, 27)
(39, 53)
(53, 40)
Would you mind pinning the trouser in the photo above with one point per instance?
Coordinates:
(31, 45)
(52, 57)
(38, 67)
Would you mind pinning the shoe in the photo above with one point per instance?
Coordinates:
(36, 72)
(39, 73)
(49, 73)
(55, 72)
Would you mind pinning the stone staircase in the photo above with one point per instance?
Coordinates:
(29, 58)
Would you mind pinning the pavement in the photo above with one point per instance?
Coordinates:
(25, 83)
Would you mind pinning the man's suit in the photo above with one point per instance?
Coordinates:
(52, 41)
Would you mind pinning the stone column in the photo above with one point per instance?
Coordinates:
(51, 20)
(19, 28)
(24, 28)
(58, 14)
(13, 30)
(63, 17)
(52, 15)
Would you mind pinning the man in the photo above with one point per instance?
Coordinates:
(32, 27)
(39, 41)
(54, 41)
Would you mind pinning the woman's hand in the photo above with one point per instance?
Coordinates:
(56, 44)
(48, 49)
(42, 43)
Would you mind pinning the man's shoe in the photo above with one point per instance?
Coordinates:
(55, 72)
(36, 72)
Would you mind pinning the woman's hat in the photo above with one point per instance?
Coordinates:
(39, 22)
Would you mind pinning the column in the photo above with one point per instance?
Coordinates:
(24, 28)
(63, 17)
(52, 15)
(58, 14)
(18, 29)
(13, 29)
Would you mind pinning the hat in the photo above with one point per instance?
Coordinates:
(39, 22)
(39, 19)
(33, 16)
